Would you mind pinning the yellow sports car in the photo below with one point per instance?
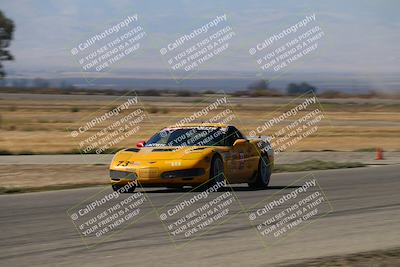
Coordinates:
(193, 155)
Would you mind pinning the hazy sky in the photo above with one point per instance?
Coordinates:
(360, 36)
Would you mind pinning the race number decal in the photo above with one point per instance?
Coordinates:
(241, 160)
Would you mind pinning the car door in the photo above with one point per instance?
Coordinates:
(241, 156)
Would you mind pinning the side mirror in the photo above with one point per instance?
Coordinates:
(239, 142)
(140, 143)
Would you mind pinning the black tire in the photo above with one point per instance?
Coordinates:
(118, 187)
(263, 173)
(216, 172)
(177, 187)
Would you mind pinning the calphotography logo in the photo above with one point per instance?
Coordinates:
(189, 52)
(289, 211)
(105, 49)
(194, 214)
(105, 214)
(282, 49)
(106, 131)
(199, 133)
(288, 127)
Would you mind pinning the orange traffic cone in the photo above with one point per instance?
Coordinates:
(379, 154)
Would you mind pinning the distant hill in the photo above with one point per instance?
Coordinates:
(345, 82)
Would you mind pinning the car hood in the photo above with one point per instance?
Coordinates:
(162, 153)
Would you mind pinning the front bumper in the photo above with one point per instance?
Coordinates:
(153, 176)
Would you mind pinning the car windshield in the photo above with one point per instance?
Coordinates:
(196, 136)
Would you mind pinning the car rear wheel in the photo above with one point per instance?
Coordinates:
(263, 174)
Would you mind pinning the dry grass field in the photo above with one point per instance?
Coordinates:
(43, 123)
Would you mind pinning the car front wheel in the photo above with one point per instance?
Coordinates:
(117, 188)
(216, 173)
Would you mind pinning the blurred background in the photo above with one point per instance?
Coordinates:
(58, 72)
(45, 92)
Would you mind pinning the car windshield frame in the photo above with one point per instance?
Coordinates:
(189, 137)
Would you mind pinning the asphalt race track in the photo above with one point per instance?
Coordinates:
(36, 231)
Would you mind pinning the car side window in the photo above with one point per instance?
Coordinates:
(232, 135)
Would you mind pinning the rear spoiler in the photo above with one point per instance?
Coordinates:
(265, 145)
(261, 137)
